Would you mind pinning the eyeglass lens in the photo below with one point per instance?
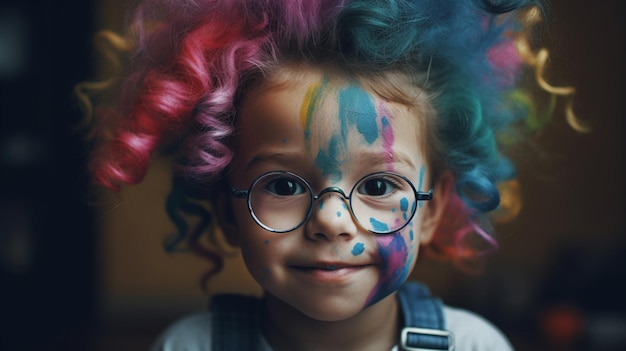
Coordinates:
(381, 202)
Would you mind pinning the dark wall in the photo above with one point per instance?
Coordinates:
(559, 280)
(46, 238)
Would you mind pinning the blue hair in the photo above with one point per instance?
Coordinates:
(450, 42)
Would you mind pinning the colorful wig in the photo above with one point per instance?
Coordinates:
(190, 60)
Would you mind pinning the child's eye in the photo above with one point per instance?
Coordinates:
(376, 187)
(285, 186)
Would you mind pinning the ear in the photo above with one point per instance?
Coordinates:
(222, 207)
(434, 209)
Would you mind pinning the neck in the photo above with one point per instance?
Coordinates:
(374, 328)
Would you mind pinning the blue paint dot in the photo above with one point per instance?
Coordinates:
(267, 242)
(344, 205)
(358, 249)
(338, 214)
(321, 205)
(285, 141)
(411, 235)
(404, 204)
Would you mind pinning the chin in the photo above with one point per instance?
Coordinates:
(330, 310)
(330, 316)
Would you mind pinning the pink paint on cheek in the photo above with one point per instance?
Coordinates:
(394, 268)
(387, 133)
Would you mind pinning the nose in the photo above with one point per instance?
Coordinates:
(331, 218)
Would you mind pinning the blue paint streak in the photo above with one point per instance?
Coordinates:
(378, 226)
(321, 204)
(328, 161)
(421, 182)
(357, 107)
(358, 249)
(412, 235)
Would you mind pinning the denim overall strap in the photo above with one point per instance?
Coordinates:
(423, 320)
(235, 323)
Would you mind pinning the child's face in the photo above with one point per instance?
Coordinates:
(331, 133)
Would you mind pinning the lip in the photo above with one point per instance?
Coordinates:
(328, 272)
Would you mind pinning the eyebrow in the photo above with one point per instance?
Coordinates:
(278, 158)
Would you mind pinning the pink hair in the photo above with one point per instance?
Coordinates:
(460, 237)
(188, 69)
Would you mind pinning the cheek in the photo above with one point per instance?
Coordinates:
(254, 252)
(262, 256)
(397, 253)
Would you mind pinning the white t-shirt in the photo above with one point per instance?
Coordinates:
(471, 333)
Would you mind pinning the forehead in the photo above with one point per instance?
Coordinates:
(325, 117)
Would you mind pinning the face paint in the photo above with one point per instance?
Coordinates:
(328, 161)
(404, 206)
(358, 249)
(355, 110)
(388, 136)
(356, 107)
(308, 107)
(395, 267)
(379, 226)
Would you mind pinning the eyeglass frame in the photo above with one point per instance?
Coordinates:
(245, 194)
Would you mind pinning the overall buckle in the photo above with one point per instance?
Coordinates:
(421, 339)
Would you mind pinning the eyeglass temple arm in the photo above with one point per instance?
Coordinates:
(423, 196)
(240, 194)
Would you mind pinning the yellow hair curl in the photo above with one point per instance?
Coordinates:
(538, 61)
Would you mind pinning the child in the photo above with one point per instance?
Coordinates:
(332, 139)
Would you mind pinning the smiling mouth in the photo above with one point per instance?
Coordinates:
(323, 267)
(328, 273)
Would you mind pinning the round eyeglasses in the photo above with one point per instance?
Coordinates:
(382, 202)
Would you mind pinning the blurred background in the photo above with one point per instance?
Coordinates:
(79, 277)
